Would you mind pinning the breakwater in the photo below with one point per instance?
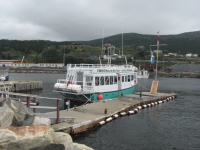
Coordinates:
(38, 70)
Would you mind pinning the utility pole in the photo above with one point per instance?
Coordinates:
(158, 48)
(64, 57)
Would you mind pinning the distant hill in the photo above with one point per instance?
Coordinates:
(80, 51)
(188, 42)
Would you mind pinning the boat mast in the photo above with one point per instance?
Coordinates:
(102, 47)
(122, 45)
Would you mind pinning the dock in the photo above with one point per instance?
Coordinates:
(21, 86)
(83, 118)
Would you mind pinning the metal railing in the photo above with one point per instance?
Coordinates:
(6, 94)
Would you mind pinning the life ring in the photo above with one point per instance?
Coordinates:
(69, 82)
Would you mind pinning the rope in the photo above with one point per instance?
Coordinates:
(143, 86)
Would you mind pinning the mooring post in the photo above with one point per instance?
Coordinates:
(68, 104)
(58, 112)
(140, 94)
(34, 109)
(28, 102)
(105, 111)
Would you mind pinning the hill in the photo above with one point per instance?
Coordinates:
(79, 51)
(188, 42)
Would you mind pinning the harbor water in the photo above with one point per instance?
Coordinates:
(174, 125)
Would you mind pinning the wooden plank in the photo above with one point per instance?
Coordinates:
(45, 107)
(154, 87)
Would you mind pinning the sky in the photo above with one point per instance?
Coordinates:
(84, 20)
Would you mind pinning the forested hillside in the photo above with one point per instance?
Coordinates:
(79, 51)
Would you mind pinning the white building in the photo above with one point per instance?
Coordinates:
(189, 55)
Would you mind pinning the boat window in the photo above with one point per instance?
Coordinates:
(79, 77)
(122, 78)
(126, 78)
(111, 79)
(96, 81)
(115, 77)
(107, 80)
(102, 80)
(89, 80)
(129, 78)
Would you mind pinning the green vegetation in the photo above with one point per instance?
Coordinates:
(36, 51)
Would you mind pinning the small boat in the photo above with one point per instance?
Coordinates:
(143, 74)
(94, 82)
(4, 74)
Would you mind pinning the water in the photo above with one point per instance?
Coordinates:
(173, 125)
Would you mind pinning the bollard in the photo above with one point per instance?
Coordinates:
(68, 104)
(105, 111)
(140, 94)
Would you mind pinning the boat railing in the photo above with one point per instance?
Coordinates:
(61, 81)
(97, 66)
(7, 94)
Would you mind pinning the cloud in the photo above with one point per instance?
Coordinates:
(68, 20)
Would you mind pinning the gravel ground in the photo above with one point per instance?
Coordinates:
(185, 67)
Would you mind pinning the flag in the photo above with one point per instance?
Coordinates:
(152, 57)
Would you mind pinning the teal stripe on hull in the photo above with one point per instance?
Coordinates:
(106, 95)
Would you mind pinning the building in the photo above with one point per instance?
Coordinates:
(159, 51)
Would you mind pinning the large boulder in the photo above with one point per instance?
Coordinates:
(82, 146)
(25, 137)
(23, 115)
(6, 117)
(65, 139)
(41, 121)
(15, 113)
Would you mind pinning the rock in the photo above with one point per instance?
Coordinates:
(83, 147)
(65, 139)
(23, 115)
(41, 121)
(26, 137)
(2, 101)
(6, 117)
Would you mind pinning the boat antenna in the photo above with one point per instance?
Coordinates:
(122, 39)
(102, 47)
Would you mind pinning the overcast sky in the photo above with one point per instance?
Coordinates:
(70, 20)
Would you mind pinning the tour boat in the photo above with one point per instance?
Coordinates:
(93, 82)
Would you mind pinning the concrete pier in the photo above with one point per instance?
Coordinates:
(21, 86)
(86, 117)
